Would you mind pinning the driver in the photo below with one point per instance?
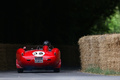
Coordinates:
(48, 44)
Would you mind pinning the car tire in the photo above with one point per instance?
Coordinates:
(20, 70)
(57, 70)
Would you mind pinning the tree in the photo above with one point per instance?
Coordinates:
(60, 21)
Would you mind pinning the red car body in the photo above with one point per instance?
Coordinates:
(38, 59)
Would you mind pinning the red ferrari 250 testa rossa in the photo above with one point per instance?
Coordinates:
(39, 58)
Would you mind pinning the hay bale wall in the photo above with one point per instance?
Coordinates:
(8, 56)
(100, 50)
(69, 55)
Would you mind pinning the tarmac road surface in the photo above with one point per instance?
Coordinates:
(74, 74)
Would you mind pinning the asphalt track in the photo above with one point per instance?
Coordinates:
(68, 74)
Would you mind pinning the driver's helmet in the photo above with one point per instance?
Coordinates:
(47, 43)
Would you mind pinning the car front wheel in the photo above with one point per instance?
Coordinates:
(20, 70)
(57, 70)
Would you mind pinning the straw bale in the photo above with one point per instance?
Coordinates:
(100, 50)
(3, 60)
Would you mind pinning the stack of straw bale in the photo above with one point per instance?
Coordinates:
(100, 50)
(3, 60)
(8, 56)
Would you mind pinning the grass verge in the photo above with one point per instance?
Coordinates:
(97, 70)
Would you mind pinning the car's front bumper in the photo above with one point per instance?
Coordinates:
(30, 62)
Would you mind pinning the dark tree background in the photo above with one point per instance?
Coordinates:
(59, 21)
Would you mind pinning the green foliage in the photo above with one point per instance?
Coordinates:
(109, 25)
(114, 22)
(97, 70)
(93, 70)
(60, 21)
(110, 72)
(100, 28)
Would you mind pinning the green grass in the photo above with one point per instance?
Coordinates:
(97, 70)
(94, 70)
(111, 72)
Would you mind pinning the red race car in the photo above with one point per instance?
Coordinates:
(39, 58)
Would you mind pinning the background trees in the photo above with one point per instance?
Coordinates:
(60, 21)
